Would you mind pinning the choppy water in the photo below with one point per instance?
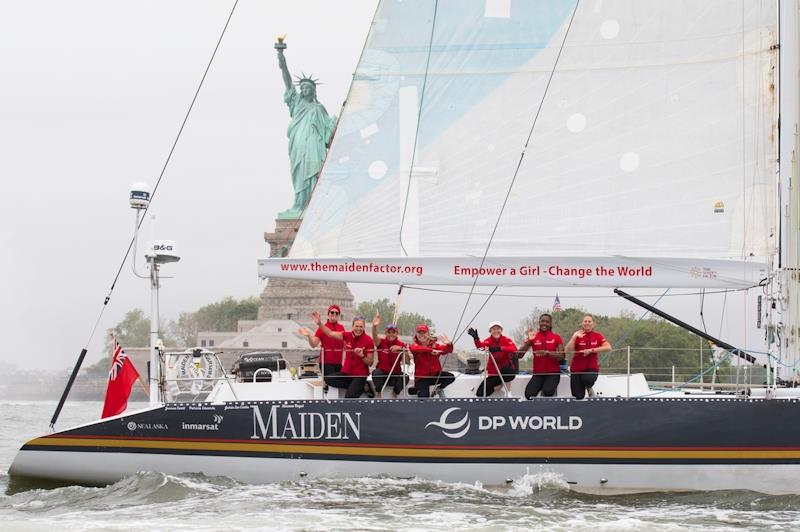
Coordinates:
(153, 501)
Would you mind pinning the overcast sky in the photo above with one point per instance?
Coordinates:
(92, 94)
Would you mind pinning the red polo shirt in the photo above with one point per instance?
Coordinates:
(426, 364)
(390, 362)
(331, 348)
(591, 340)
(546, 341)
(502, 357)
(353, 365)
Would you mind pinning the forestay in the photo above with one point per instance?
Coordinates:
(654, 147)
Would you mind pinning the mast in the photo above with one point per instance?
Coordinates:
(785, 280)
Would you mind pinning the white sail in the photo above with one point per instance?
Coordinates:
(655, 138)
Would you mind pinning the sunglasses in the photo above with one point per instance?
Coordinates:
(335, 313)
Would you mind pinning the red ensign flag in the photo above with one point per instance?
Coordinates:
(120, 381)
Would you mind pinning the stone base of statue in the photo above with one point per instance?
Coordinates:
(294, 299)
(293, 214)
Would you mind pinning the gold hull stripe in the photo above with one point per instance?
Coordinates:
(414, 452)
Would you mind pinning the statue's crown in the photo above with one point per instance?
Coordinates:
(306, 79)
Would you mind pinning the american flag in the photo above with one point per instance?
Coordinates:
(557, 304)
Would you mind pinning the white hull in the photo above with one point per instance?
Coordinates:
(94, 468)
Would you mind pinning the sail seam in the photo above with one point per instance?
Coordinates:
(416, 131)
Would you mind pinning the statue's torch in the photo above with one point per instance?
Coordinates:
(280, 45)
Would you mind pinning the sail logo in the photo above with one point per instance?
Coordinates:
(305, 425)
(452, 429)
(702, 273)
(218, 419)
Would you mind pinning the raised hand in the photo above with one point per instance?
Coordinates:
(302, 331)
(474, 333)
(315, 317)
(531, 335)
(376, 320)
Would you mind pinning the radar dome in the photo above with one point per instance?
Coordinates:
(140, 195)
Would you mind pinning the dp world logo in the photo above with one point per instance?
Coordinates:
(455, 428)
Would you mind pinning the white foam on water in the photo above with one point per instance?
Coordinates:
(531, 483)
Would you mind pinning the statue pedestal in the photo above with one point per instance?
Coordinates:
(294, 299)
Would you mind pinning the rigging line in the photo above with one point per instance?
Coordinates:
(416, 131)
(519, 162)
(715, 365)
(163, 170)
(82, 354)
(534, 296)
(722, 316)
(489, 296)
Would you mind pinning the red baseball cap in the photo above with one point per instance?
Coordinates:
(422, 328)
(336, 308)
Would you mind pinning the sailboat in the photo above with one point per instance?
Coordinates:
(599, 143)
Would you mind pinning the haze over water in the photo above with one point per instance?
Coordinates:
(154, 501)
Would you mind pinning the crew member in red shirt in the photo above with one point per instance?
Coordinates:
(586, 343)
(502, 350)
(330, 357)
(358, 356)
(548, 352)
(427, 367)
(392, 354)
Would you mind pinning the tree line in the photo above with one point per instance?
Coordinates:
(656, 344)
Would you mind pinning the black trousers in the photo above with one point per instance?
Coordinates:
(354, 385)
(423, 384)
(330, 369)
(578, 382)
(547, 384)
(396, 381)
(486, 388)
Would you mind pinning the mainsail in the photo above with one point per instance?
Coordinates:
(648, 130)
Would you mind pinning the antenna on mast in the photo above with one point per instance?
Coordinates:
(160, 252)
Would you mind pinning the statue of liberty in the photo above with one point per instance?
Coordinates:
(309, 134)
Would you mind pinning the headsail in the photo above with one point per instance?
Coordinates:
(655, 139)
